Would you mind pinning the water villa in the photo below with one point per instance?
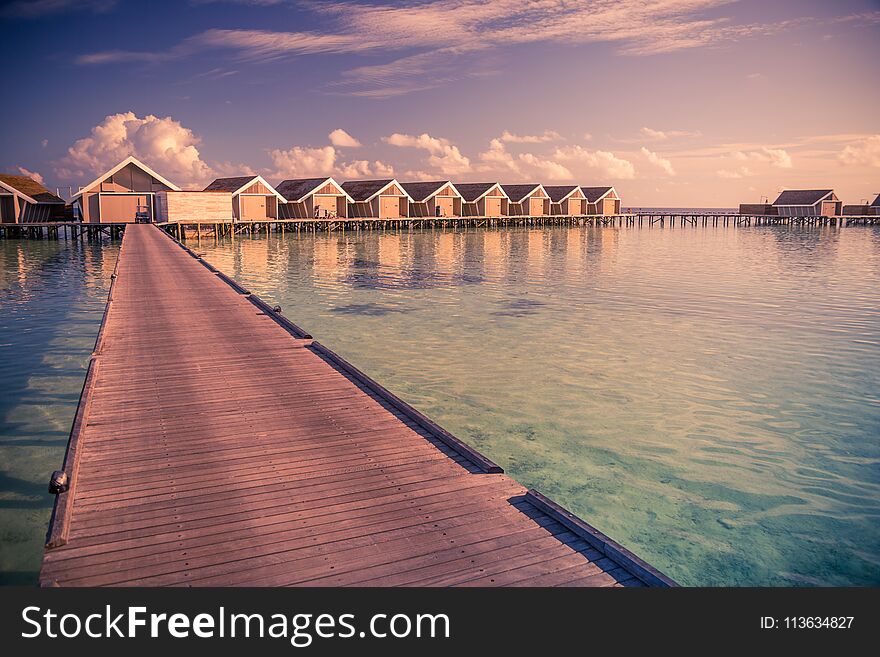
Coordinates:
(602, 200)
(433, 199)
(124, 194)
(483, 200)
(253, 199)
(208, 207)
(383, 199)
(24, 200)
(807, 203)
(527, 200)
(312, 198)
(863, 209)
(567, 200)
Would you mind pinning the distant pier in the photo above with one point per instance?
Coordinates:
(184, 229)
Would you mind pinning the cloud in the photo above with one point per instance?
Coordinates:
(34, 9)
(341, 138)
(866, 152)
(775, 157)
(444, 156)
(44, 143)
(161, 143)
(462, 36)
(547, 135)
(604, 162)
(663, 135)
(658, 161)
(546, 168)
(306, 162)
(741, 172)
(498, 160)
(31, 174)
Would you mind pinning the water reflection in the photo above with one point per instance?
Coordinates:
(705, 395)
(51, 301)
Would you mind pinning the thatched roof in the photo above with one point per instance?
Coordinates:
(593, 194)
(296, 189)
(229, 184)
(30, 187)
(559, 192)
(470, 192)
(517, 193)
(422, 191)
(802, 196)
(364, 190)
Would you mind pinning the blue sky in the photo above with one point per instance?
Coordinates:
(675, 102)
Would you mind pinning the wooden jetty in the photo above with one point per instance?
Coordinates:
(55, 229)
(216, 443)
(185, 229)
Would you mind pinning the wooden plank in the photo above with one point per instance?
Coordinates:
(217, 444)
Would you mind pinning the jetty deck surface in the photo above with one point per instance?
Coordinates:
(212, 447)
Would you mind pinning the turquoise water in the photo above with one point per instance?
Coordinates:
(52, 296)
(706, 396)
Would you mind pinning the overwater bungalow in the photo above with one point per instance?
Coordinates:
(483, 199)
(566, 200)
(602, 200)
(378, 199)
(309, 198)
(808, 203)
(760, 209)
(23, 200)
(527, 200)
(433, 199)
(124, 194)
(253, 199)
(194, 206)
(863, 209)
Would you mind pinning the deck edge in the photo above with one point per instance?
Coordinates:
(481, 461)
(474, 456)
(637, 566)
(279, 318)
(59, 521)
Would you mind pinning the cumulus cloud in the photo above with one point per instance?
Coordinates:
(741, 172)
(161, 143)
(604, 162)
(547, 135)
(342, 139)
(866, 152)
(444, 156)
(497, 157)
(658, 161)
(775, 157)
(549, 169)
(31, 174)
(307, 162)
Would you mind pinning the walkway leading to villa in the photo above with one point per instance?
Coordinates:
(216, 445)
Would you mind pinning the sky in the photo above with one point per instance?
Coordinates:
(684, 103)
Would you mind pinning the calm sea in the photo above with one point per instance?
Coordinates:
(52, 297)
(706, 396)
